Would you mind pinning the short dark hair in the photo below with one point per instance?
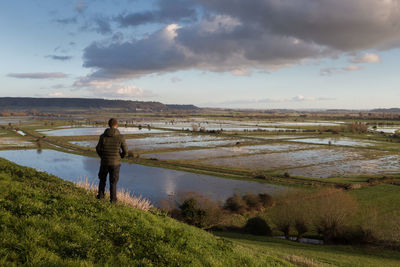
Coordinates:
(112, 122)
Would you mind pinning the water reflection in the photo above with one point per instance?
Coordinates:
(150, 182)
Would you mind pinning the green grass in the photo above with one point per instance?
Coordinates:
(47, 221)
(385, 198)
(325, 255)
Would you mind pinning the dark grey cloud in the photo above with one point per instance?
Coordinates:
(167, 12)
(341, 24)
(97, 23)
(57, 57)
(38, 75)
(102, 25)
(157, 52)
(237, 35)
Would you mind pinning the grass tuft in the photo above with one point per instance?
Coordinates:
(124, 196)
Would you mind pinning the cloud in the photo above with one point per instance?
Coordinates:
(237, 37)
(367, 58)
(353, 68)
(167, 12)
(298, 98)
(341, 24)
(111, 88)
(176, 79)
(57, 94)
(38, 75)
(332, 71)
(62, 58)
(219, 43)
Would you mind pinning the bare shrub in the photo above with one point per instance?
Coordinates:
(358, 127)
(236, 204)
(124, 196)
(266, 200)
(252, 201)
(248, 203)
(195, 209)
(334, 210)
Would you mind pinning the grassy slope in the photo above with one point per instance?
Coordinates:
(317, 254)
(47, 221)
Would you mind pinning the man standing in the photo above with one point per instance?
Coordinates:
(111, 148)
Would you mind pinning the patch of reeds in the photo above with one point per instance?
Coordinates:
(124, 196)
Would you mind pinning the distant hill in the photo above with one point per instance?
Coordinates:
(391, 110)
(24, 103)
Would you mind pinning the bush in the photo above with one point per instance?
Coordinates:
(235, 204)
(266, 200)
(358, 127)
(257, 226)
(191, 214)
(248, 203)
(195, 209)
(252, 201)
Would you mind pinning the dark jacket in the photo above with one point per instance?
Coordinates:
(111, 147)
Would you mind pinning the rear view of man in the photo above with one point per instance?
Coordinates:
(111, 148)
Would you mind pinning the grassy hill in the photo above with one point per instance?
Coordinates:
(55, 104)
(47, 221)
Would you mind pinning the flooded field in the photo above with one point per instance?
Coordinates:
(150, 182)
(382, 165)
(275, 146)
(391, 130)
(13, 142)
(170, 140)
(275, 137)
(97, 131)
(227, 151)
(293, 159)
(339, 141)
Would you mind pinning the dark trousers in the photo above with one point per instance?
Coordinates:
(114, 176)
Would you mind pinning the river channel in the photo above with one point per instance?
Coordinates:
(152, 183)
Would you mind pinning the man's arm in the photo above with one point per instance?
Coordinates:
(99, 147)
(124, 148)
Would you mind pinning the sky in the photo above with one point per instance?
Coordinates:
(253, 54)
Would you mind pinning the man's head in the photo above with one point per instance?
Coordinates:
(113, 123)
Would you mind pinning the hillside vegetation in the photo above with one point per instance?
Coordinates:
(16, 103)
(47, 221)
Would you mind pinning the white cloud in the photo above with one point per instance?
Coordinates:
(111, 88)
(367, 58)
(57, 94)
(298, 98)
(353, 68)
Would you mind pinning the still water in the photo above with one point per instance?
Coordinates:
(150, 182)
